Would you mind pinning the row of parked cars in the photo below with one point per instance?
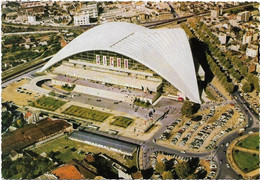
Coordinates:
(23, 90)
(165, 135)
(189, 134)
(213, 170)
(220, 123)
(201, 137)
(216, 138)
(241, 118)
(219, 93)
(252, 105)
(153, 158)
(224, 118)
(204, 132)
(184, 140)
(180, 132)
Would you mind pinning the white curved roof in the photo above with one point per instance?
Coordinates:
(165, 51)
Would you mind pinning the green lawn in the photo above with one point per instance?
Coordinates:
(86, 113)
(251, 142)
(63, 148)
(122, 121)
(48, 103)
(246, 161)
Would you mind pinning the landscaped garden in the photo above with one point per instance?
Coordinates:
(48, 103)
(246, 161)
(251, 142)
(141, 103)
(122, 121)
(67, 87)
(86, 113)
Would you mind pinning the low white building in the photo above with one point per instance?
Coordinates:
(243, 16)
(43, 43)
(222, 38)
(252, 51)
(81, 20)
(90, 10)
(247, 38)
(234, 47)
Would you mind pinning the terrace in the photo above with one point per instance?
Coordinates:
(88, 83)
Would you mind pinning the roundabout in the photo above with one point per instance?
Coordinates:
(243, 155)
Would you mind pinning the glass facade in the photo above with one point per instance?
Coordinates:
(108, 58)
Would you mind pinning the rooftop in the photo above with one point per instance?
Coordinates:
(68, 172)
(104, 141)
(165, 51)
(31, 134)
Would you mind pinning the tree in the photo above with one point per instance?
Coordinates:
(247, 87)
(167, 175)
(201, 174)
(193, 163)
(223, 79)
(256, 86)
(230, 87)
(244, 70)
(160, 167)
(19, 123)
(182, 170)
(186, 108)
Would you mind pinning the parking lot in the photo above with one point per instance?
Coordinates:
(21, 96)
(202, 131)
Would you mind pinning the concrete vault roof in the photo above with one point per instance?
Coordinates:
(165, 51)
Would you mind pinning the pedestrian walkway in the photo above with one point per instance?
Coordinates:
(254, 173)
(247, 150)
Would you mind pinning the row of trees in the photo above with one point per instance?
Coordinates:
(234, 66)
(188, 108)
(187, 30)
(180, 171)
(229, 86)
(211, 40)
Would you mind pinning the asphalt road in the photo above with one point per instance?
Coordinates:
(218, 154)
(26, 75)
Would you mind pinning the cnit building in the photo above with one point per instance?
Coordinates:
(124, 61)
